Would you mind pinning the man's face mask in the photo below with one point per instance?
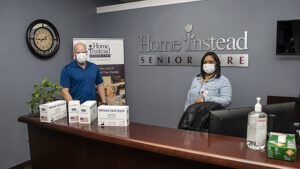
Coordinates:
(81, 57)
(209, 68)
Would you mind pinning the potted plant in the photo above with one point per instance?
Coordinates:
(43, 93)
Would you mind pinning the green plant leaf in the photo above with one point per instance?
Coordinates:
(59, 87)
(43, 91)
(57, 92)
(45, 80)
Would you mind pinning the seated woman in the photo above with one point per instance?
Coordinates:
(112, 98)
(209, 85)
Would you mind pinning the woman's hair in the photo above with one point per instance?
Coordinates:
(114, 89)
(218, 65)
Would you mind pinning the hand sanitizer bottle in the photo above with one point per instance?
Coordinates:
(257, 128)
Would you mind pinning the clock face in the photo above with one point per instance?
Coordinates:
(42, 38)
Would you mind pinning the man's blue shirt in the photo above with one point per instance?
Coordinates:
(81, 82)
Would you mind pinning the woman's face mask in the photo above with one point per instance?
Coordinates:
(81, 57)
(209, 65)
(209, 68)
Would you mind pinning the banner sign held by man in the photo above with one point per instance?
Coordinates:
(108, 55)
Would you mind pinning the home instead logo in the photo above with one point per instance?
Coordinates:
(157, 52)
(99, 51)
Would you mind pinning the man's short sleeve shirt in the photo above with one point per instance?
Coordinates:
(81, 82)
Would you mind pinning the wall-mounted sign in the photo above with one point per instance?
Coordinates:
(239, 60)
(158, 52)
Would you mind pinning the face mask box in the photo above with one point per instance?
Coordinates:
(88, 112)
(73, 111)
(53, 111)
(113, 115)
(282, 146)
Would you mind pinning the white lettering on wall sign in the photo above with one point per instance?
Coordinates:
(151, 49)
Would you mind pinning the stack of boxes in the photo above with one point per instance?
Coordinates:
(113, 115)
(52, 111)
(74, 107)
(88, 112)
(85, 113)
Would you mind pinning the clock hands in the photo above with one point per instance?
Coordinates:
(41, 39)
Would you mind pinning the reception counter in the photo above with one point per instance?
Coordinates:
(60, 145)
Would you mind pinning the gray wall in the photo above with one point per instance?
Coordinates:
(156, 94)
(20, 70)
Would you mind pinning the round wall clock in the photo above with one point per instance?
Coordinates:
(42, 38)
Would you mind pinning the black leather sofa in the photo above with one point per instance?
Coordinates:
(233, 122)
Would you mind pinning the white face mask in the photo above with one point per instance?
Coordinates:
(81, 57)
(209, 68)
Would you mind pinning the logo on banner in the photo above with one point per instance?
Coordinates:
(97, 50)
(157, 52)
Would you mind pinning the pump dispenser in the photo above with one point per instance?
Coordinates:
(257, 105)
(257, 127)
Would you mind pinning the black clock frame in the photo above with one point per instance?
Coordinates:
(30, 42)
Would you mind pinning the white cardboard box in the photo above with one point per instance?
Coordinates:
(74, 107)
(53, 111)
(113, 115)
(88, 112)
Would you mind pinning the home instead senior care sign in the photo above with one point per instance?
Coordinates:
(159, 52)
(108, 55)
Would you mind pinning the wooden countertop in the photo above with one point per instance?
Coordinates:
(203, 147)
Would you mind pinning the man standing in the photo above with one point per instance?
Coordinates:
(79, 78)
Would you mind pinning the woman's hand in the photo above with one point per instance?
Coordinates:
(201, 99)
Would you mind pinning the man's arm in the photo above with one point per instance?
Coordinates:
(66, 94)
(101, 91)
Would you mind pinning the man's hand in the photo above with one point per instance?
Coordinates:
(201, 99)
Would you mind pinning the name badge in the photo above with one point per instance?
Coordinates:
(204, 92)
